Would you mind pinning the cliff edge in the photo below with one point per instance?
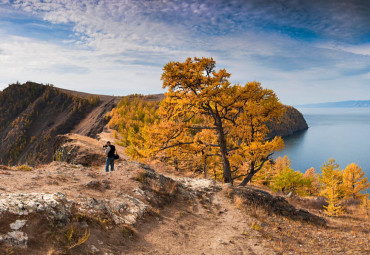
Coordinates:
(291, 122)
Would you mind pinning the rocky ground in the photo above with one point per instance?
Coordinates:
(64, 208)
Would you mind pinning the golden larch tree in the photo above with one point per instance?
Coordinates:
(315, 186)
(204, 114)
(332, 181)
(334, 207)
(354, 181)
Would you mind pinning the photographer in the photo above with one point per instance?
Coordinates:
(110, 151)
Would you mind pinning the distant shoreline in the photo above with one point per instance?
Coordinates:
(341, 104)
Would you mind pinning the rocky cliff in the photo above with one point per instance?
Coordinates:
(291, 122)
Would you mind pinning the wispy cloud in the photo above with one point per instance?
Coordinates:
(287, 45)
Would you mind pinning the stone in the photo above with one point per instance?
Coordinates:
(94, 249)
(94, 184)
(126, 210)
(17, 238)
(18, 224)
(55, 206)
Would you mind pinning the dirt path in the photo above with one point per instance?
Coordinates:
(195, 228)
(199, 229)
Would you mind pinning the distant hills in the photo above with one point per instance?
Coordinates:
(341, 104)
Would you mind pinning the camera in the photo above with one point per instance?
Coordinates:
(105, 146)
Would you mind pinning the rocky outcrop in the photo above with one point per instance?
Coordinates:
(77, 149)
(275, 205)
(291, 122)
(100, 208)
(24, 215)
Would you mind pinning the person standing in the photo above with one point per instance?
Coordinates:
(109, 151)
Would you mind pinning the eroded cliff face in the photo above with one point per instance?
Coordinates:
(32, 115)
(291, 122)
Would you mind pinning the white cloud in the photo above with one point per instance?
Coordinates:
(119, 47)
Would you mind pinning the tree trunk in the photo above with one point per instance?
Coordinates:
(223, 151)
(176, 165)
(205, 167)
(248, 178)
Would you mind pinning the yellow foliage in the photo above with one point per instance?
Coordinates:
(129, 118)
(281, 163)
(315, 186)
(255, 226)
(334, 207)
(332, 181)
(354, 181)
(206, 120)
(24, 168)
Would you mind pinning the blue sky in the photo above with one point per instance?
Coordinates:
(307, 51)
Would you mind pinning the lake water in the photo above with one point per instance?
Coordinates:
(339, 133)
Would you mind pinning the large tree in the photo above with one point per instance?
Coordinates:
(205, 116)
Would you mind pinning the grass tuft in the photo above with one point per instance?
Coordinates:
(24, 168)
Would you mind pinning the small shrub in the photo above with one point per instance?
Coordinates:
(154, 211)
(255, 226)
(24, 168)
(140, 176)
(58, 155)
(129, 231)
(81, 240)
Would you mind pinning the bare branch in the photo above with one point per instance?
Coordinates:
(175, 145)
(202, 127)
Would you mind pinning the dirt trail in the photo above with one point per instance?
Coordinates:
(201, 227)
(222, 229)
(181, 227)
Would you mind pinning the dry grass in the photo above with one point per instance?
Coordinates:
(80, 240)
(238, 201)
(314, 203)
(129, 231)
(255, 226)
(171, 187)
(140, 176)
(3, 167)
(24, 168)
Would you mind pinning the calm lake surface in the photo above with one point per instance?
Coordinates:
(339, 133)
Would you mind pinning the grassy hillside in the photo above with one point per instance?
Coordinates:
(31, 115)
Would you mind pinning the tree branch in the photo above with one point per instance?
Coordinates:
(175, 145)
(201, 127)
